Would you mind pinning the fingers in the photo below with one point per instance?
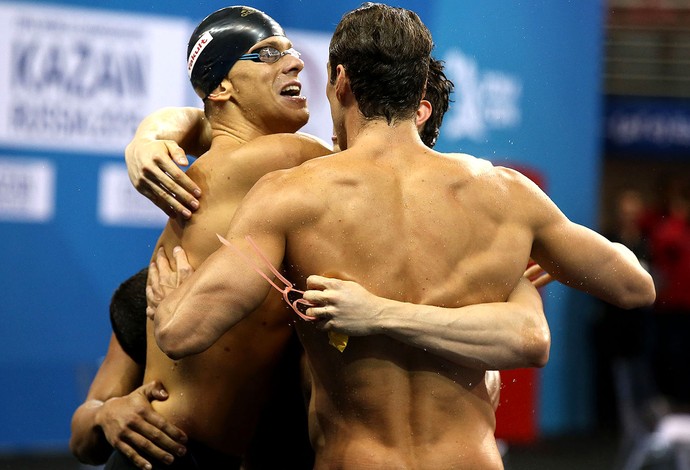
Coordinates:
(184, 269)
(178, 155)
(153, 171)
(154, 294)
(162, 197)
(542, 280)
(533, 270)
(316, 297)
(537, 276)
(166, 435)
(151, 313)
(164, 270)
(321, 314)
(320, 282)
(151, 440)
(131, 454)
(154, 391)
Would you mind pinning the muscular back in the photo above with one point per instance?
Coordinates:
(416, 226)
(412, 225)
(216, 396)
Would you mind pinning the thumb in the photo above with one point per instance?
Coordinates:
(154, 391)
(177, 154)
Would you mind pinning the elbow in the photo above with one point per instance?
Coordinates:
(86, 454)
(177, 345)
(537, 346)
(169, 343)
(76, 450)
(643, 294)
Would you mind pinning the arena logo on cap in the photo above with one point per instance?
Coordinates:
(200, 45)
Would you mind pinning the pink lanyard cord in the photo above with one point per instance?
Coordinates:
(286, 291)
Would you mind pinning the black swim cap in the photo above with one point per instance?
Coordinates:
(220, 39)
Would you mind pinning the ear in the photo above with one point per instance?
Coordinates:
(423, 113)
(342, 84)
(222, 91)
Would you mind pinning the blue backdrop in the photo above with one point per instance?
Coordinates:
(527, 93)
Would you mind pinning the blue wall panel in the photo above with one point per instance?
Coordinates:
(551, 53)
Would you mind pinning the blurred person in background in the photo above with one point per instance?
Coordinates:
(624, 335)
(669, 241)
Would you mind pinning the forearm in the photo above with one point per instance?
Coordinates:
(214, 298)
(87, 442)
(583, 259)
(187, 127)
(638, 289)
(498, 335)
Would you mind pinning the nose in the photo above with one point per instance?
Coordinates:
(292, 61)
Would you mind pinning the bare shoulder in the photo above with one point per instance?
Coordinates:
(510, 191)
(281, 198)
(296, 148)
(474, 164)
(485, 172)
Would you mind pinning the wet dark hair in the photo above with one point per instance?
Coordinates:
(385, 52)
(438, 90)
(128, 316)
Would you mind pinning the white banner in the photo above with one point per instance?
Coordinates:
(78, 79)
(121, 205)
(27, 190)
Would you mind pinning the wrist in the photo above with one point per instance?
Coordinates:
(384, 316)
(97, 407)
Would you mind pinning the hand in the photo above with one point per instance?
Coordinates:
(131, 426)
(342, 306)
(162, 279)
(152, 171)
(537, 276)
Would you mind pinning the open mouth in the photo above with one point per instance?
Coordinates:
(291, 90)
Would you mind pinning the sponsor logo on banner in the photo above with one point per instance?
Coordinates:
(84, 79)
(485, 100)
(27, 190)
(120, 204)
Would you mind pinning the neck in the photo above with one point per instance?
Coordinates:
(376, 132)
(230, 121)
(236, 128)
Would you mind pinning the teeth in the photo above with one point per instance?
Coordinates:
(291, 89)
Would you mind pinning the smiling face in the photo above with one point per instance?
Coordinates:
(269, 95)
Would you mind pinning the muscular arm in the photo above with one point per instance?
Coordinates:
(219, 294)
(117, 413)
(581, 258)
(498, 335)
(162, 139)
(157, 145)
(117, 376)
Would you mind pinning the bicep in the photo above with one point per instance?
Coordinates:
(570, 252)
